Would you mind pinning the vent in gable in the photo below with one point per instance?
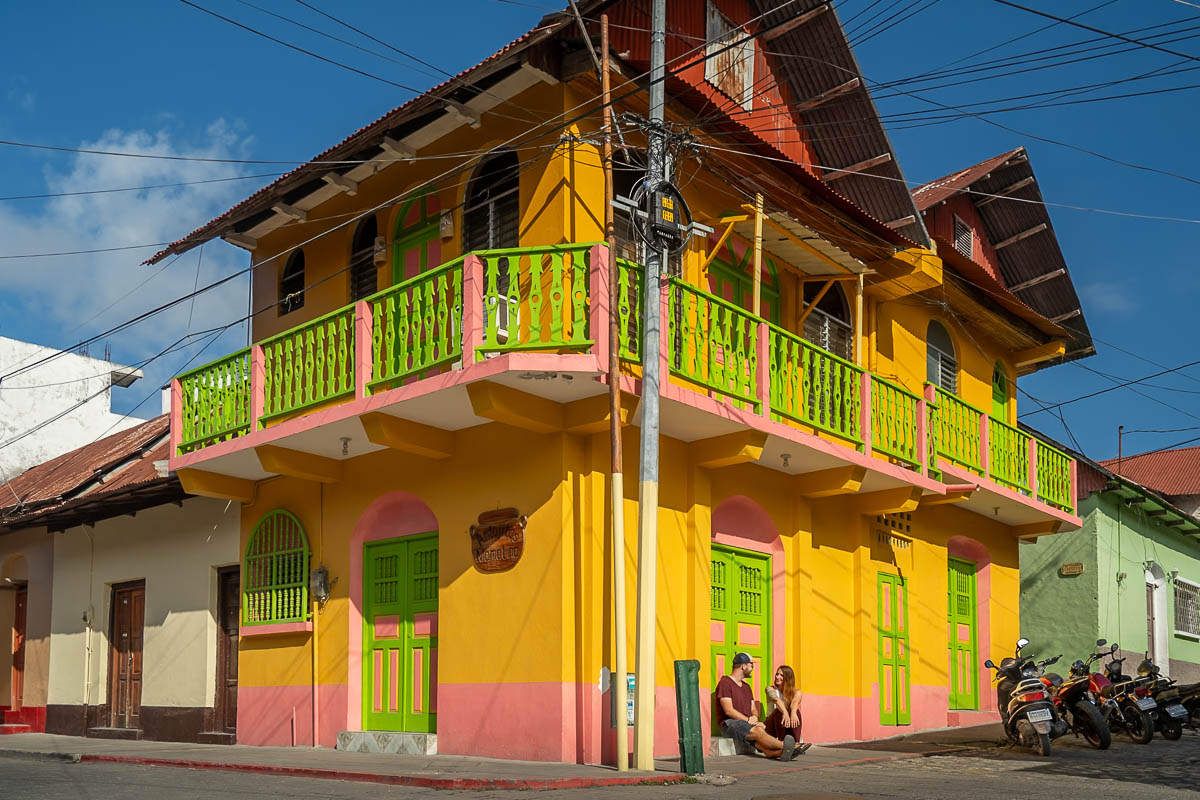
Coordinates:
(964, 237)
(730, 70)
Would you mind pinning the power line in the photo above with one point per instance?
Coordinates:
(1122, 37)
(139, 188)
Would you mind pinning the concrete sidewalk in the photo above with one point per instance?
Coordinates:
(438, 772)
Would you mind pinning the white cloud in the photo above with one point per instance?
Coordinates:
(1107, 296)
(52, 296)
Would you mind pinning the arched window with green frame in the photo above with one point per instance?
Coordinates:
(730, 277)
(275, 571)
(1000, 393)
(416, 237)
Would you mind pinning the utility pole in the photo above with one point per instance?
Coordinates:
(647, 605)
(620, 685)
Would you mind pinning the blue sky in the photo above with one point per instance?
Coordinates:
(166, 78)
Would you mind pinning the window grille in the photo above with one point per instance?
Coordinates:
(1187, 607)
(276, 571)
(941, 366)
(829, 333)
(291, 284)
(364, 276)
(964, 238)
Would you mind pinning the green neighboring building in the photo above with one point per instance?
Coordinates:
(1130, 575)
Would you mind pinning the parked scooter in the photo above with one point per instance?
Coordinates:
(1024, 703)
(1113, 694)
(1133, 698)
(1171, 715)
(1073, 700)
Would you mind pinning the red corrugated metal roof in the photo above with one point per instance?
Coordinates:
(52, 482)
(934, 192)
(1171, 472)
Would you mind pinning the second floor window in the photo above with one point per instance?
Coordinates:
(291, 284)
(364, 277)
(999, 393)
(1187, 607)
(491, 214)
(942, 365)
(828, 325)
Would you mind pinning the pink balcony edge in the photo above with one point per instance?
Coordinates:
(276, 628)
(490, 367)
(967, 478)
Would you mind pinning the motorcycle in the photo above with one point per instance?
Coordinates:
(1133, 699)
(1114, 694)
(1171, 714)
(1025, 705)
(1073, 699)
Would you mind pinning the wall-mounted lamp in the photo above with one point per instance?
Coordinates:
(1121, 576)
(319, 584)
(1173, 574)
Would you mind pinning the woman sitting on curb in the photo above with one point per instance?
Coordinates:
(784, 720)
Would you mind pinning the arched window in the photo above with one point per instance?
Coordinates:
(291, 284)
(999, 393)
(942, 366)
(828, 325)
(629, 167)
(364, 277)
(275, 571)
(491, 214)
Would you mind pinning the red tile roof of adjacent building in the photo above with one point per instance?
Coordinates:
(116, 465)
(1170, 472)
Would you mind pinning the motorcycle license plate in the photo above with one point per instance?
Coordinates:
(1177, 711)
(1146, 703)
(1040, 715)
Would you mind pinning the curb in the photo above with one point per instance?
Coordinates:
(419, 781)
(62, 758)
(868, 760)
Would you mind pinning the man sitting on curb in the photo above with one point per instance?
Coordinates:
(735, 702)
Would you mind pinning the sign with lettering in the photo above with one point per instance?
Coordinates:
(1074, 568)
(498, 541)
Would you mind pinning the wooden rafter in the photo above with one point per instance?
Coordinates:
(1018, 237)
(1005, 192)
(900, 223)
(861, 166)
(347, 185)
(397, 148)
(829, 94)
(1029, 284)
(828, 285)
(796, 240)
(290, 211)
(1069, 315)
(792, 24)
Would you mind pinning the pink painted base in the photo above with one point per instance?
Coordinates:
(282, 715)
(33, 716)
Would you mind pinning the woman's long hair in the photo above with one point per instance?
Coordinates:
(789, 684)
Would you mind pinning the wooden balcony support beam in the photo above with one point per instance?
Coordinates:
(861, 166)
(1033, 530)
(591, 415)
(407, 436)
(513, 407)
(830, 482)
(740, 447)
(1043, 352)
(347, 185)
(1175, 523)
(241, 240)
(820, 294)
(796, 240)
(1158, 512)
(900, 223)
(463, 112)
(954, 494)
(792, 24)
(1061, 318)
(1007, 190)
(397, 149)
(291, 212)
(728, 222)
(898, 500)
(1018, 237)
(298, 464)
(213, 484)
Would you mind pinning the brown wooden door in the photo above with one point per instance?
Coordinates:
(229, 612)
(125, 665)
(18, 653)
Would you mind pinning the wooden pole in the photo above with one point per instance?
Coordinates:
(758, 225)
(858, 324)
(619, 669)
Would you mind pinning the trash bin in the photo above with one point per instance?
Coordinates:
(687, 706)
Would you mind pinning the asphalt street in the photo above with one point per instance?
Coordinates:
(1159, 770)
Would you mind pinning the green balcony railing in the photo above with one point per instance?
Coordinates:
(417, 325)
(309, 365)
(894, 421)
(711, 342)
(535, 298)
(813, 386)
(1008, 455)
(1054, 477)
(955, 431)
(215, 402)
(631, 286)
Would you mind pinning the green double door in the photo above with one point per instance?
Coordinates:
(894, 660)
(740, 611)
(400, 597)
(964, 649)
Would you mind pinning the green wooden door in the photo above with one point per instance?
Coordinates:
(416, 241)
(894, 708)
(740, 605)
(400, 596)
(964, 688)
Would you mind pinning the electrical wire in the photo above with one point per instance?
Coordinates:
(138, 188)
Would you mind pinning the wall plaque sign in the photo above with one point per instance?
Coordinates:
(1073, 568)
(498, 541)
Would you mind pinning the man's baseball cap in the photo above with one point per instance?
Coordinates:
(742, 658)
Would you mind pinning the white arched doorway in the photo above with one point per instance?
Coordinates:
(1158, 643)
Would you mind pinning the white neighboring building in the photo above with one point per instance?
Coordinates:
(69, 397)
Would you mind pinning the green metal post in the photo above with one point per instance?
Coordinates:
(687, 702)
